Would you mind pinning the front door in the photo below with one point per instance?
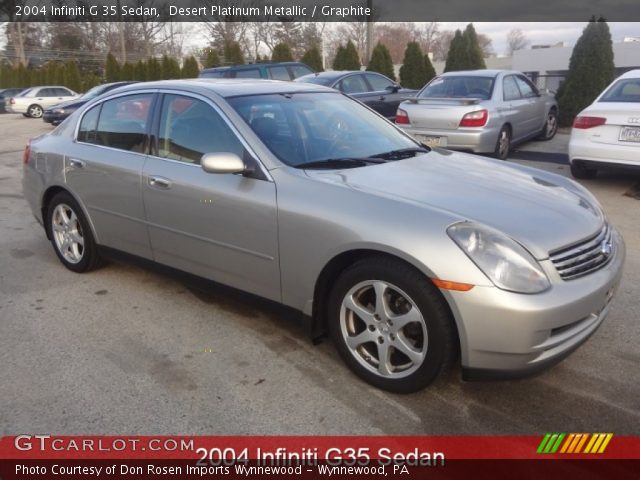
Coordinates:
(218, 226)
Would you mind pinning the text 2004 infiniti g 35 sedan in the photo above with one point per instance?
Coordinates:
(297, 193)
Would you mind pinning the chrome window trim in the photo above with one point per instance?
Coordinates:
(169, 91)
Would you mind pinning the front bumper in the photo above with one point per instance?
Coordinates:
(54, 118)
(478, 140)
(506, 335)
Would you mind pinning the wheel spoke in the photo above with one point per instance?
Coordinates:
(404, 347)
(77, 238)
(57, 227)
(363, 337)
(400, 321)
(351, 304)
(382, 309)
(384, 359)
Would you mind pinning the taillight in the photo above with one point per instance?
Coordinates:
(401, 117)
(475, 119)
(27, 153)
(585, 122)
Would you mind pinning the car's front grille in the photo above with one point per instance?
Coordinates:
(584, 257)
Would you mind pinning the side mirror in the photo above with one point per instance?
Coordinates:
(224, 162)
(393, 88)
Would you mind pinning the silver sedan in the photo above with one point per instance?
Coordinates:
(404, 255)
(482, 111)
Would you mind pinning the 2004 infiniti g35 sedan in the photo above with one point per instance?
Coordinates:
(405, 255)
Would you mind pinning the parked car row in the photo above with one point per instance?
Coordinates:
(404, 255)
(6, 94)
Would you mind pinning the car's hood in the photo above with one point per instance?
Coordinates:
(75, 103)
(541, 210)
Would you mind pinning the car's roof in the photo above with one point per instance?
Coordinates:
(477, 73)
(631, 74)
(249, 65)
(230, 87)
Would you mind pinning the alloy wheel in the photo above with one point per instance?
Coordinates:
(67, 233)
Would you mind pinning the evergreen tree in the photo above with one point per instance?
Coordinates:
(154, 69)
(59, 74)
(111, 69)
(190, 68)
(90, 81)
(126, 72)
(475, 59)
(339, 59)
(591, 69)
(381, 61)
(313, 59)
(212, 60)
(351, 58)
(413, 73)
(140, 71)
(456, 57)
(72, 78)
(170, 68)
(233, 53)
(428, 68)
(282, 53)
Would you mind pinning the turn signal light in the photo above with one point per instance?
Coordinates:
(475, 119)
(401, 117)
(447, 285)
(585, 122)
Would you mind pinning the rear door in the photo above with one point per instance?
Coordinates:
(104, 168)
(385, 99)
(221, 227)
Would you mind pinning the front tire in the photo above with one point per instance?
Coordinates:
(503, 145)
(35, 111)
(71, 234)
(550, 126)
(582, 172)
(391, 325)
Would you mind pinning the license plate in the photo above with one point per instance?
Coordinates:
(432, 141)
(630, 134)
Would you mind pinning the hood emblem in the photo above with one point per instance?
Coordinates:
(605, 248)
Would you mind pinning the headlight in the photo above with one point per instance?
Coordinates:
(58, 110)
(507, 264)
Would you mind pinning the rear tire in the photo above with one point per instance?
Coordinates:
(35, 111)
(503, 144)
(390, 325)
(71, 234)
(582, 172)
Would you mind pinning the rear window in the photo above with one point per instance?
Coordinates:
(459, 87)
(214, 74)
(248, 73)
(627, 90)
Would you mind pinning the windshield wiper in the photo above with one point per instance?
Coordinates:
(341, 163)
(402, 153)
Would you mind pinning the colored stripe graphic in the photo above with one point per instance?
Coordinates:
(574, 442)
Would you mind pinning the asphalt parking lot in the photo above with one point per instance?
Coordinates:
(132, 350)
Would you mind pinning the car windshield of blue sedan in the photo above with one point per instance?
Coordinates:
(458, 87)
(627, 90)
(323, 130)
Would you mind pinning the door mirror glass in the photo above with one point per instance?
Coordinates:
(393, 88)
(224, 162)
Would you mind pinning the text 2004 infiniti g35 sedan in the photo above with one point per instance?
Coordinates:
(297, 193)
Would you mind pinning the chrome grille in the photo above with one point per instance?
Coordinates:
(584, 257)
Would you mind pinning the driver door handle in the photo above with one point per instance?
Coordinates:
(159, 182)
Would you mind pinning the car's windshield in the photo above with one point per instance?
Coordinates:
(458, 86)
(94, 92)
(627, 90)
(301, 128)
(316, 79)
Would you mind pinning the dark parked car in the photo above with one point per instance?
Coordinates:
(6, 93)
(59, 112)
(371, 88)
(272, 71)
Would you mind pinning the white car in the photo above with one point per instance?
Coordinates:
(607, 132)
(33, 102)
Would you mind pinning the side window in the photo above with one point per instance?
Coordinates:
(123, 122)
(510, 89)
(189, 128)
(63, 92)
(279, 73)
(299, 70)
(378, 82)
(526, 88)
(45, 92)
(247, 73)
(353, 84)
(87, 130)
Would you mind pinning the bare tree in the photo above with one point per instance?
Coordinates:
(486, 45)
(440, 45)
(516, 40)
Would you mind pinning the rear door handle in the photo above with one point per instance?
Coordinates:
(73, 163)
(159, 182)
